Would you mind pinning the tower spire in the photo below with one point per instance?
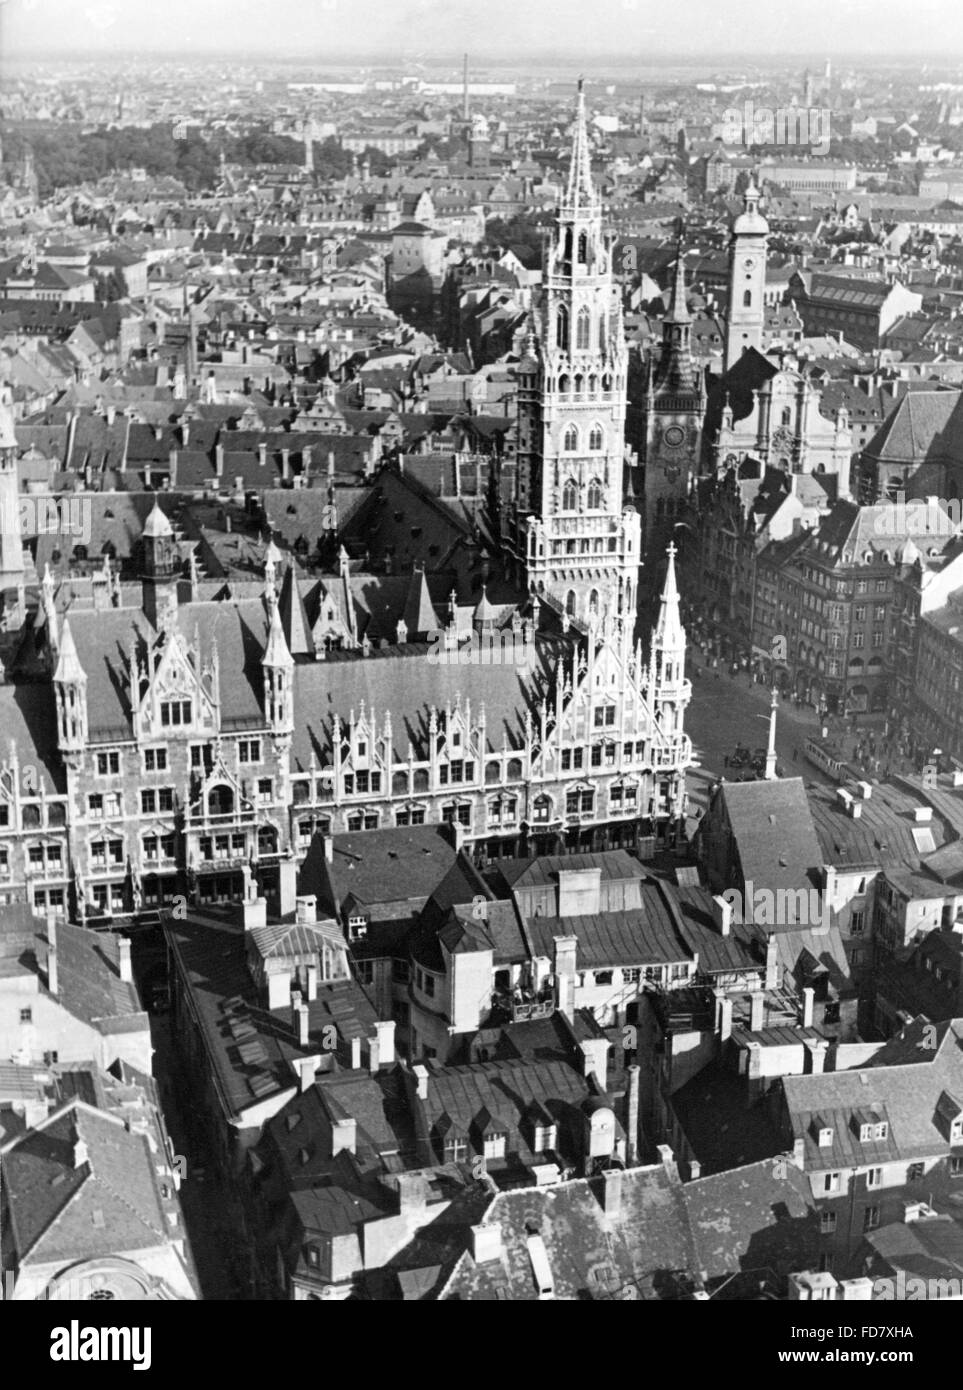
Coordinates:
(580, 192)
(669, 634)
(678, 308)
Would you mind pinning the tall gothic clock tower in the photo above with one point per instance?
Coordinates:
(568, 528)
(673, 412)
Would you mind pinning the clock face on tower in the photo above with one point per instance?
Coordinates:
(749, 263)
(674, 437)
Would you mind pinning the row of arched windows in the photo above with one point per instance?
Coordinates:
(570, 439)
(581, 384)
(595, 497)
(583, 329)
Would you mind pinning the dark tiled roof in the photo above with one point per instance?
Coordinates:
(54, 1206)
(902, 1083)
(775, 838)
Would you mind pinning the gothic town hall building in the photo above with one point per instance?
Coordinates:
(159, 743)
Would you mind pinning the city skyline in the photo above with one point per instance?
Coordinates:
(421, 29)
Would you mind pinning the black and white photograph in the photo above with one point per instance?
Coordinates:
(481, 643)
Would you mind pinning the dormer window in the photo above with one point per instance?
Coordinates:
(357, 927)
(544, 1138)
(825, 1137)
(956, 1130)
(495, 1145)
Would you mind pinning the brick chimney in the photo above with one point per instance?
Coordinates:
(809, 996)
(722, 914)
(124, 961)
(772, 962)
(632, 1115)
(612, 1192)
(344, 1135)
(421, 1081)
(53, 983)
(412, 1193)
(306, 1069)
(312, 980)
(724, 1018)
(385, 1033)
(596, 1055)
(300, 1018)
(566, 948)
(757, 1011)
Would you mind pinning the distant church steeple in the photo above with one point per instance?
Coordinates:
(746, 315)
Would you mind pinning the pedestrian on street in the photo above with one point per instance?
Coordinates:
(795, 752)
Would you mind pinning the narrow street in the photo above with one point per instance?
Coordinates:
(207, 1210)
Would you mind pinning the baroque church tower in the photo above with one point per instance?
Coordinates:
(571, 535)
(746, 316)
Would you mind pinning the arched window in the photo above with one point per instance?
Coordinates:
(569, 496)
(602, 334)
(568, 243)
(584, 328)
(220, 801)
(594, 601)
(564, 385)
(570, 603)
(786, 415)
(747, 299)
(595, 495)
(582, 248)
(570, 439)
(561, 327)
(595, 437)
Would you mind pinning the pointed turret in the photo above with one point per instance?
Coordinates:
(157, 525)
(294, 619)
(159, 589)
(272, 558)
(419, 615)
(668, 638)
(70, 686)
(277, 656)
(69, 668)
(278, 665)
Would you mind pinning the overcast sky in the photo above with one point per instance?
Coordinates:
(389, 30)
